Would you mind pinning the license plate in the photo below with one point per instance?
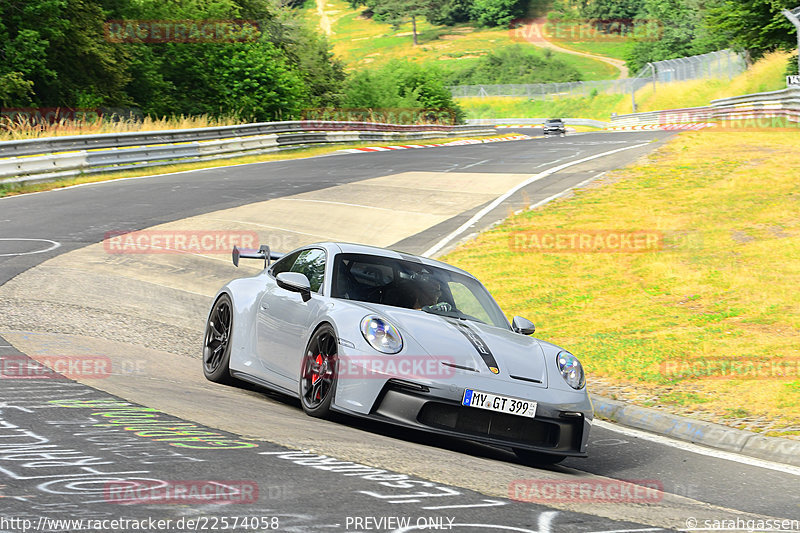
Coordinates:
(501, 404)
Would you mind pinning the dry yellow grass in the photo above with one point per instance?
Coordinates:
(767, 74)
(29, 130)
(723, 286)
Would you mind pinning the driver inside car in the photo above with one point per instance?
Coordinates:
(428, 291)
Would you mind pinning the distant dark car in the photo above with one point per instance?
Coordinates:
(554, 126)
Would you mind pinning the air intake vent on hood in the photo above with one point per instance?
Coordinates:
(460, 367)
(531, 380)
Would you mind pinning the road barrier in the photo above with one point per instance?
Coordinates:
(35, 160)
(783, 104)
(535, 122)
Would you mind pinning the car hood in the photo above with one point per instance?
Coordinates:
(468, 344)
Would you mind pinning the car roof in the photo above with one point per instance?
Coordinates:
(353, 248)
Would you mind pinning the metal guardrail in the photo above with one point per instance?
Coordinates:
(790, 95)
(58, 157)
(670, 116)
(784, 103)
(117, 140)
(536, 121)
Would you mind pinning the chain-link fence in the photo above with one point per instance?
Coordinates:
(722, 64)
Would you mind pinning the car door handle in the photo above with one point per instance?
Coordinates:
(265, 306)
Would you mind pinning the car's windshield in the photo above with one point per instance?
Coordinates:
(414, 285)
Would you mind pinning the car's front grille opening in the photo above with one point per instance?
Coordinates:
(486, 423)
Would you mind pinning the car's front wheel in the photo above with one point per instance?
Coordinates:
(318, 372)
(532, 458)
(217, 341)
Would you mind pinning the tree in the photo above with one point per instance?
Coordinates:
(54, 54)
(496, 12)
(682, 33)
(757, 26)
(611, 9)
(396, 12)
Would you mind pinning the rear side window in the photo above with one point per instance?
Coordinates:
(284, 264)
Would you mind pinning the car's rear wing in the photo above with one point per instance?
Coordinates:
(262, 253)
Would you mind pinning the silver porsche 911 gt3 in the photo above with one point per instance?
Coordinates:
(398, 338)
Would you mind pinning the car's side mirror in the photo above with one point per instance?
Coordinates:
(295, 282)
(523, 326)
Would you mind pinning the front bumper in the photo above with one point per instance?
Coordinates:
(553, 430)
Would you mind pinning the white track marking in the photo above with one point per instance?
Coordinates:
(536, 177)
(475, 164)
(629, 530)
(562, 193)
(698, 449)
(487, 503)
(247, 223)
(353, 205)
(53, 246)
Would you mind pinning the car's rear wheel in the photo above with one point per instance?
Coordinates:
(217, 341)
(536, 458)
(318, 372)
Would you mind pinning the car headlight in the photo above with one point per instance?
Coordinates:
(571, 370)
(381, 334)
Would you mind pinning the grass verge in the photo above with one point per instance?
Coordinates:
(657, 328)
(765, 75)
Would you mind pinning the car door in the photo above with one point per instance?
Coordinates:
(284, 318)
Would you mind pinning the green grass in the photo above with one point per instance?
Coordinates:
(589, 107)
(722, 285)
(617, 50)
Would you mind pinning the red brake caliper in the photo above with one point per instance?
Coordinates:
(316, 376)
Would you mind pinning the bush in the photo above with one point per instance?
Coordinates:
(514, 64)
(402, 85)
